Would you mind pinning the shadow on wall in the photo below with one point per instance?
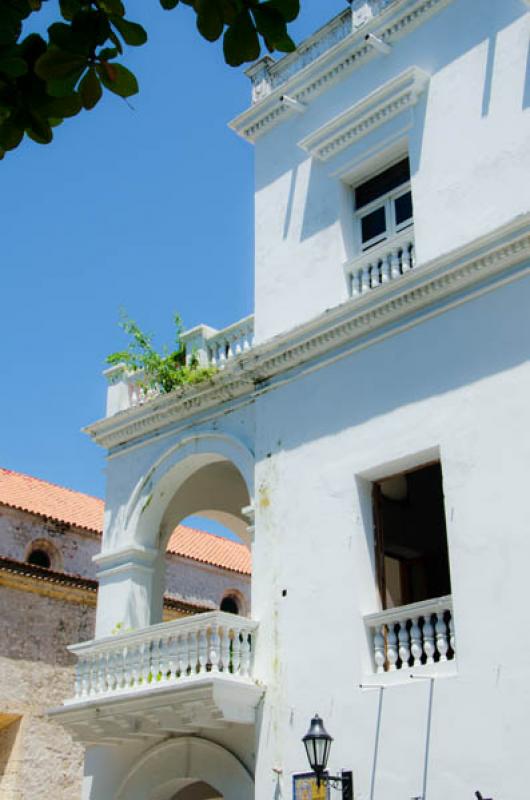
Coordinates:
(279, 154)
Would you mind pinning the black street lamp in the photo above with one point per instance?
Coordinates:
(317, 743)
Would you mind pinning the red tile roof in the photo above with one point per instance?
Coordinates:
(51, 501)
(209, 549)
(83, 511)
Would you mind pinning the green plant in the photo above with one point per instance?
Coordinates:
(45, 80)
(162, 371)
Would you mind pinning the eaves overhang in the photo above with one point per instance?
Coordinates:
(429, 288)
(397, 20)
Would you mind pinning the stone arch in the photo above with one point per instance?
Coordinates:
(175, 482)
(174, 765)
(47, 548)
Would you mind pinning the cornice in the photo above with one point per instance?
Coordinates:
(391, 99)
(396, 21)
(351, 325)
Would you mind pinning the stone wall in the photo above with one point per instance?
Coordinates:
(75, 548)
(38, 759)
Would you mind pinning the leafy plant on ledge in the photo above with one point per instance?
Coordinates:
(161, 371)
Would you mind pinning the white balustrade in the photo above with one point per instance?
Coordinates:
(165, 654)
(230, 342)
(381, 264)
(413, 635)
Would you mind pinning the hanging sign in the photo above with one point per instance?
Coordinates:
(305, 787)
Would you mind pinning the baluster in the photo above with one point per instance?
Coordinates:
(394, 264)
(182, 656)
(154, 665)
(374, 275)
(119, 665)
(145, 661)
(214, 649)
(238, 346)
(379, 649)
(452, 635)
(110, 671)
(134, 658)
(247, 341)
(236, 653)
(225, 648)
(428, 639)
(222, 355)
(404, 646)
(442, 645)
(245, 654)
(212, 357)
(386, 269)
(172, 658)
(203, 649)
(79, 676)
(391, 647)
(164, 659)
(365, 279)
(193, 651)
(94, 674)
(416, 645)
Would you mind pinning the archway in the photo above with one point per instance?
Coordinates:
(182, 769)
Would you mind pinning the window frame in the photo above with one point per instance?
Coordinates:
(387, 201)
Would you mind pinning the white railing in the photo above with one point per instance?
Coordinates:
(230, 342)
(412, 635)
(381, 264)
(170, 653)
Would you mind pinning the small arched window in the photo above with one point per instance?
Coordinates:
(230, 604)
(40, 558)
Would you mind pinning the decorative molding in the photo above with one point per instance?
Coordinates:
(347, 325)
(391, 99)
(395, 21)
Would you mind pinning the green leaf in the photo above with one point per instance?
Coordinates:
(209, 19)
(272, 27)
(131, 32)
(66, 38)
(108, 53)
(118, 79)
(11, 133)
(69, 8)
(14, 67)
(38, 129)
(90, 89)
(60, 107)
(62, 87)
(241, 41)
(112, 7)
(289, 9)
(169, 4)
(56, 63)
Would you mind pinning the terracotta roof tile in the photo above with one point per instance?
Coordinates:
(83, 511)
(51, 501)
(209, 549)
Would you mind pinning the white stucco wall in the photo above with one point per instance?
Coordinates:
(467, 142)
(456, 385)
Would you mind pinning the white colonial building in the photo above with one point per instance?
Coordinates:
(367, 435)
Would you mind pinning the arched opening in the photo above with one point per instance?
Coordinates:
(210, 489)
(197, 791)
(187, 768)
(40, 558)
(43, 553)
(230, 604)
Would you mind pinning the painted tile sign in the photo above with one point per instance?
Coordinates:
(305, 788)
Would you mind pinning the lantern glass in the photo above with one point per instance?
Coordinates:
(317, 743)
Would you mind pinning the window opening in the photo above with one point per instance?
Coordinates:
(230, 604)
(412, 559)
(40, 558)
(383, 204)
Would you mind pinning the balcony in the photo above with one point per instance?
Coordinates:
(175, 677)
(419, 635)
(381, 264)
(210, 346)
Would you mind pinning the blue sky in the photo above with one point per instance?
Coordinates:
(149, 209)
